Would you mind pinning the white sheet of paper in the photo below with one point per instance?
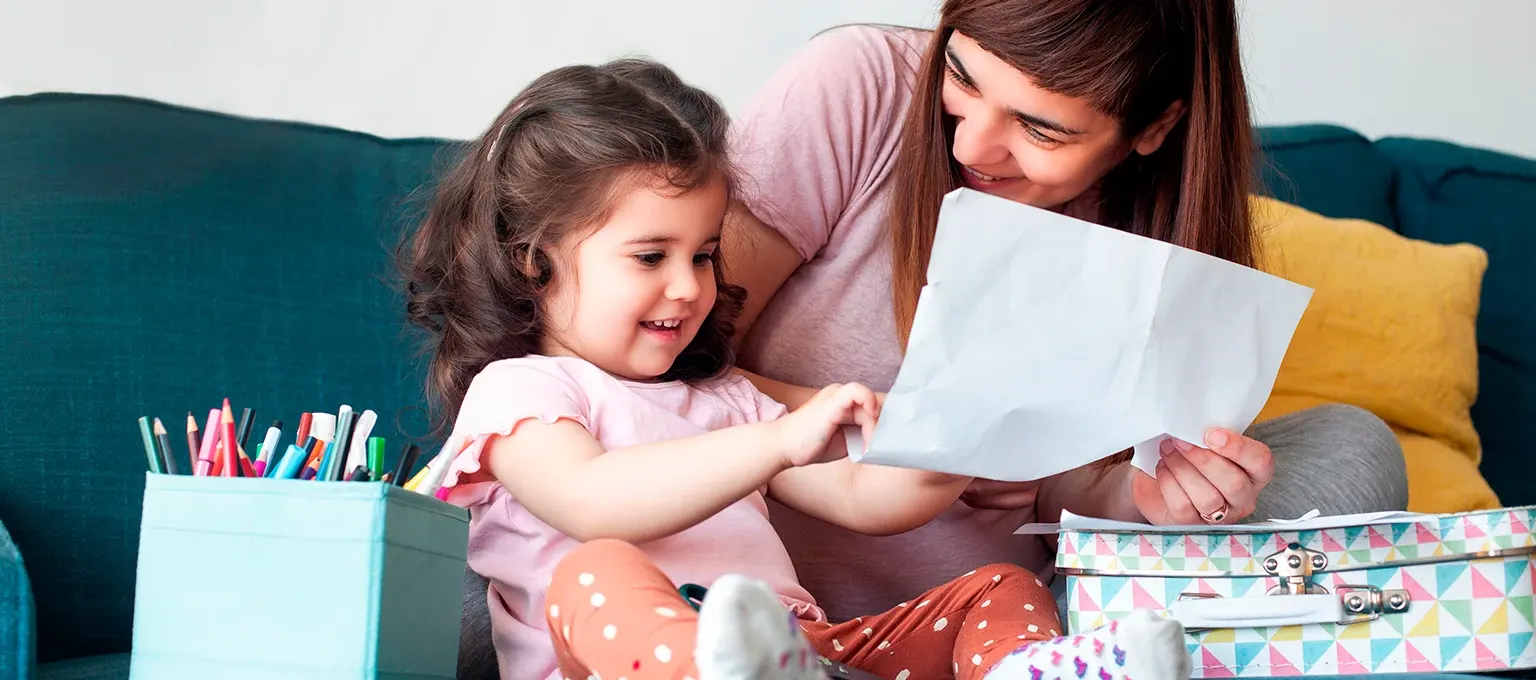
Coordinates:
(1043, 343)
(1310, 521)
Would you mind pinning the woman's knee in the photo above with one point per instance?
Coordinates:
(1344, 452)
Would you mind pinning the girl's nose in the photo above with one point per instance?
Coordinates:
(684, 285)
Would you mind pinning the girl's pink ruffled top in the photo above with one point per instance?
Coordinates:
(517, 551)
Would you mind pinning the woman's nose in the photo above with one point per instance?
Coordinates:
(980, 139)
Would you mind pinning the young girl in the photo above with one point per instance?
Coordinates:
(570, 276)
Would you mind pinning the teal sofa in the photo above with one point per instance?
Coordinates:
(158, 259)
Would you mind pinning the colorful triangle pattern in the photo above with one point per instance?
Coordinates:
(1466, 615)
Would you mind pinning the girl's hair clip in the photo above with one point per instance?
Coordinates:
(490, 153)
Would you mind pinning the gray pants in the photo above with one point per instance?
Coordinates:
(1337, 459)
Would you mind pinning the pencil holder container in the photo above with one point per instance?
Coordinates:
(275, 578)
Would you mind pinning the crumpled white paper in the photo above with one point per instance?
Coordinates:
(1043, 343)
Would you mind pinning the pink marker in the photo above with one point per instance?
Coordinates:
(210, 440)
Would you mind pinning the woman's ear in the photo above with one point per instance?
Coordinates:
(1151, 139)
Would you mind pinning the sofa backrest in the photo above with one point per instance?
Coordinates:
(159, 259)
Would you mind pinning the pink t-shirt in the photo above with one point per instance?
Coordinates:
(817, 145)
(517, 552)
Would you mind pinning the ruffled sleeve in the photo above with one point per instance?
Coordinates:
(503, 396)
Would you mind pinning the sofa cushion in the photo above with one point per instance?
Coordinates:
(158, 260)
(1449, 194)
(1389, 329)
(1326, 169)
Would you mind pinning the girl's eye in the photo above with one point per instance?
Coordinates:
(649, 259)
(703, 259)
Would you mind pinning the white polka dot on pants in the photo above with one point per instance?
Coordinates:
(981, 625)
(1034, 628)
(904, 674)
(610, 631)
(598, 599)
(999, 577)
(586, 579)
(554, 611)
(663, 653)
(1029, 607)
(667, 612)
(939, 625)
(976, 660)
(988, 603)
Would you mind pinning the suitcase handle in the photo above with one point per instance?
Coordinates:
(1256, 612)
(1346, 605)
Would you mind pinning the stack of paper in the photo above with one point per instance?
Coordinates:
(1043, 343)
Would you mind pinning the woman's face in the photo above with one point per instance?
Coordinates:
(1021, 142)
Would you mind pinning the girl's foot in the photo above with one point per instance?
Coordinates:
(1141, 646)
(745, 633)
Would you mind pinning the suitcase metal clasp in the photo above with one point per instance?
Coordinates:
(1294, 566)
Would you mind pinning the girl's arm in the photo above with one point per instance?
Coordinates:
(563, 476)
(561, 473)
(876, 500)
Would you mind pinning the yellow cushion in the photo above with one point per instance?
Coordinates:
(1391, 329)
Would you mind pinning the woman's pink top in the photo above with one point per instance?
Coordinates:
(517, 552)
(817, 146)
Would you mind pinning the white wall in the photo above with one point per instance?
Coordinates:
(1459, 70)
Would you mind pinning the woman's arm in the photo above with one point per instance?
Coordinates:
(769, 260)
(640, 493)
(875, 500)
(1089, 491)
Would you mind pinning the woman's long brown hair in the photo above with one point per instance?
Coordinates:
(1130, 59)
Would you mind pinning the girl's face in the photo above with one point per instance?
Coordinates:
(630, 296)
(1018, 141)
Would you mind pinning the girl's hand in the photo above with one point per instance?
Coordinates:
(807, 431)
(1194, 485)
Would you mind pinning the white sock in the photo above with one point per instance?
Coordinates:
(1141, 646)
(745, 633)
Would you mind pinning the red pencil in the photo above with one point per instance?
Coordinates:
(303, 432)
(232, 447)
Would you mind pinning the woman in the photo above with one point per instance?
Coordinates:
(1127, 113)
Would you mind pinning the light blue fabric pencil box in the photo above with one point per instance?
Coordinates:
(303, 580)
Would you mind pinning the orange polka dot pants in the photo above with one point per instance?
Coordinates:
(613, 614)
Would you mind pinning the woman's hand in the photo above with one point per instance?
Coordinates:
(807, 432)
(1216, 485)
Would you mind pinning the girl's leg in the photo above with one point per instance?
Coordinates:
(613, 614)
(969, 627)
(1338, 459)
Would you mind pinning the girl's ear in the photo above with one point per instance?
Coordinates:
(532, 263)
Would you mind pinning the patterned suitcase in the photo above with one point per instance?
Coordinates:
(1430, 593)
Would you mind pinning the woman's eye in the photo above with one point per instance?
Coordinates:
(962, 81)
(649, 259)
(1039, 136)
(703, 258)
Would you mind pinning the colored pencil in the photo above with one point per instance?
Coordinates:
(163, 439)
